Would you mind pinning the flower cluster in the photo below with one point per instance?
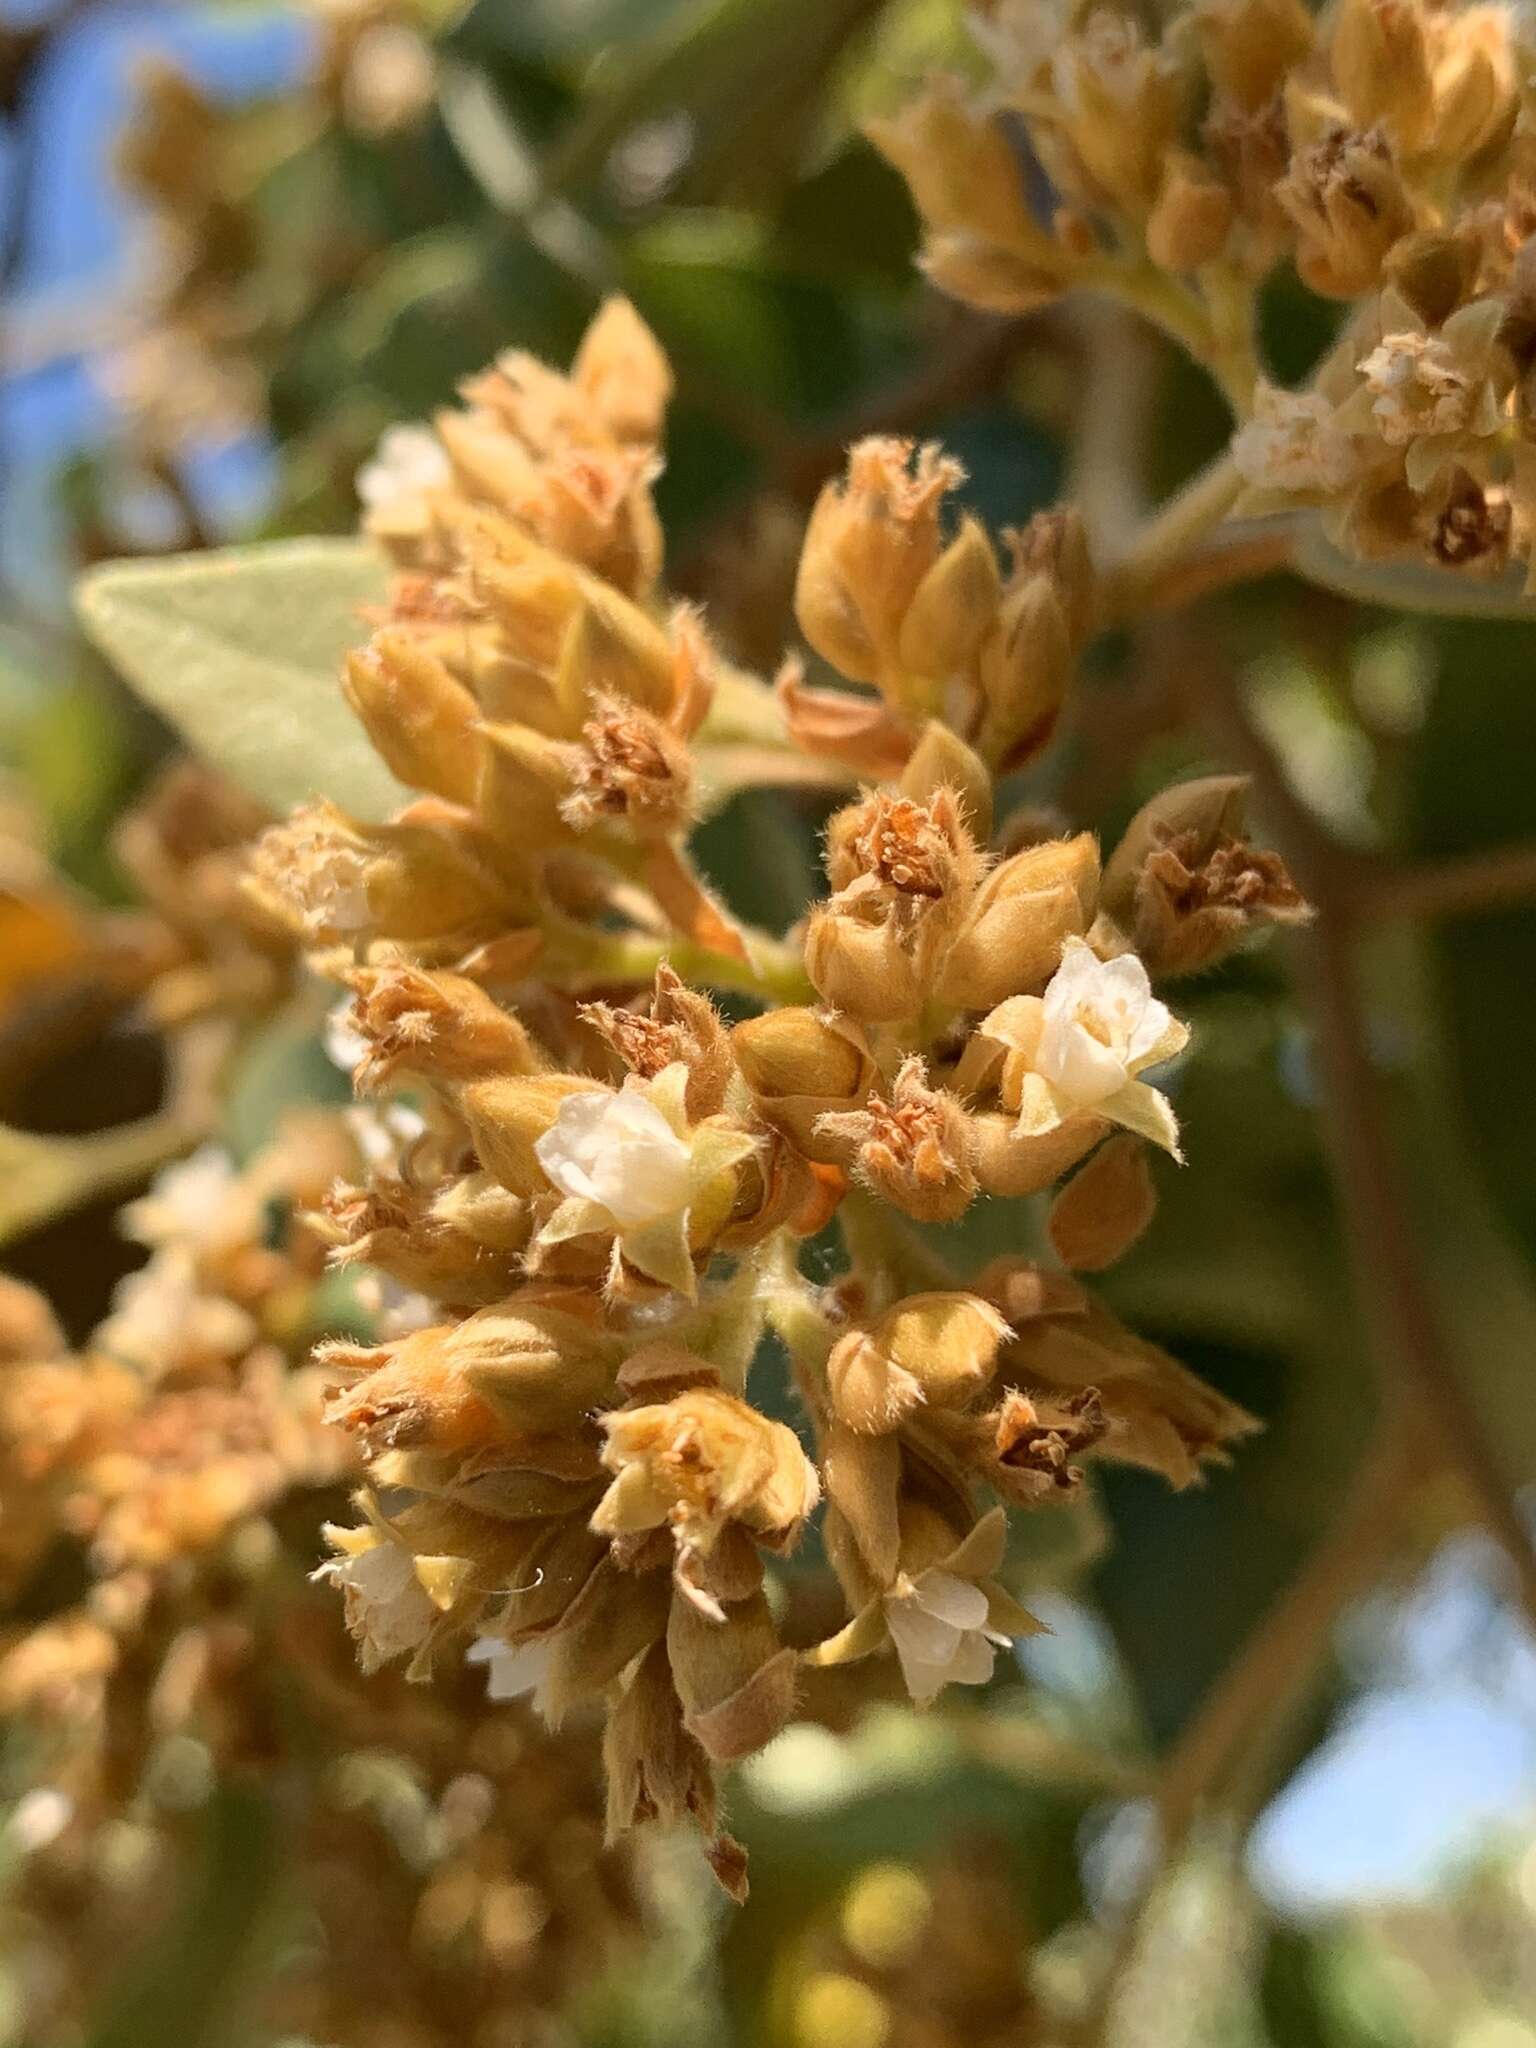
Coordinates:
(598, 1177)
(164, 1485)
(1383, 148)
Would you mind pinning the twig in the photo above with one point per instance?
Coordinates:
(1499, 879)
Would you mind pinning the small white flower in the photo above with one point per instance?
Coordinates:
(1078, 1050)
(408, 462)
(514, 1668)
(345, 1046)
(197, 1202)
(1102, 1023)
(38, 1818)
(386, 1608)
(1293, 444)
(161, 1318)
(619, 1152)
(938, 1624)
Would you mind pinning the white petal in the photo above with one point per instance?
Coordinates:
(960, 1602)
(919, 1635)
(973, 1661)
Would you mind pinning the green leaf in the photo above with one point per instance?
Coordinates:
(240, 650)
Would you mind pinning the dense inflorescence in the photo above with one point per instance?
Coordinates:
(1382, 148)
(614, 1113)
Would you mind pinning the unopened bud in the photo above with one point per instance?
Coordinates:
(1021, 917)
(1250, 45)
(941, 760)
(1380, 63)
(802, 1065)
(419, 716)
(937, 1349)
(1193, 216)
(1024, 669)
(437, 1026)
(1105, 1207)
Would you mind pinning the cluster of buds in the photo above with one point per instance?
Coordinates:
(1383, 148)
(165, 1484)
(591, 1180)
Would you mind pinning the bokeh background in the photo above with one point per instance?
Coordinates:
(237, 242)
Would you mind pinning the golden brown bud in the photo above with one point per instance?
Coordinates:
(437, 1243)
(1105, 1206)
(964, 173)
(508, 1114)
(802, 1065)
(623, 370)
(914, 1149)
(942, 761)
(440, 1027)
(1474, 78)
(1019, 920)
(736, 1685)
(1193, 216)
(931, 1348)
(1380, 60)
(1349, 206)
(871, 541)
(1011, 1162)
(1250, 45)
(944, 625)
(1024, 669)
(335, 881)
(418, 715)
(1122, 102)
(656, 1770)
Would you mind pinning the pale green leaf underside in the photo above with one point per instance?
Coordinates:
(1408, 586)
(240, 650)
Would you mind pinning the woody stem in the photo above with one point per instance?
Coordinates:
(1166, 542)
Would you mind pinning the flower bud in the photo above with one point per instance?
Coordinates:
(622, 369)
(1249, 46)
(1189, 225)
(1122, 102)
(942, 761)
(420, 717)
(1349, 206)
(396, 1227)
(679, 1026)
(871, 541)
(964, 173)
(1380, 62)
(991, 278)
(336, 881)
(933, 1348)
(508, 1115)
(944, 625)
(736, 1684)
(802, 1065)
(1475, 87)
(1024, 668)
(1019, 920)
(1105, 1207)
(1012, 1163)
(656, 1770)
(1213, 807)
(436, 1026)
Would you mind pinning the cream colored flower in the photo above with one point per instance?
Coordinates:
(1292, 445)
(408, 463)
(938, 1624)
(198, 1202)
(1429, 394)
(387, 1610)
(628, 1162)
(1078, 1050)
(512, 1669)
